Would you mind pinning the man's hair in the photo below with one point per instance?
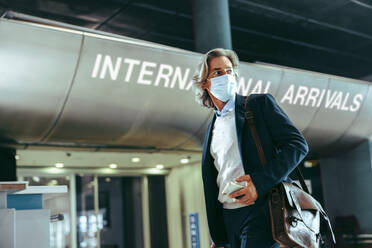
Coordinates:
(201, 73)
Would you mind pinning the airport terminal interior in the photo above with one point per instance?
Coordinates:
(101, 138)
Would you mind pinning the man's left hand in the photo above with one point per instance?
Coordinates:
(249, 192)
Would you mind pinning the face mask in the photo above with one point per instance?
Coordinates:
(223, 87)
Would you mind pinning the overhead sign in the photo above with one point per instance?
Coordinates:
(102, 90)
(150, 73)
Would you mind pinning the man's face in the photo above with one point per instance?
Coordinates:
(218, 66)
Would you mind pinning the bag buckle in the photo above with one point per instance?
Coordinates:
(319, 238)
(293, 221)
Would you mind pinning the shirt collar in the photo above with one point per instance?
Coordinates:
(229, 106)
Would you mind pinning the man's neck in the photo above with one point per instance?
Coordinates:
(220, 105)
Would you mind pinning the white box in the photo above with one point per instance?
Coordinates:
(32, 228)
(7, 228)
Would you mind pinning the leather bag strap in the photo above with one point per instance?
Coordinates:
(257, 141)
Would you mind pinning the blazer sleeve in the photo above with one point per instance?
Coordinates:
(290, 144)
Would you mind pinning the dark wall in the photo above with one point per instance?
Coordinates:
(132, 212)
(110, 199)
(158, 212)
(347, 187)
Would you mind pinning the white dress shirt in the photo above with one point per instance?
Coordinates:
(224, 149)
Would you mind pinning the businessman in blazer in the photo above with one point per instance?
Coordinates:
(241, 219)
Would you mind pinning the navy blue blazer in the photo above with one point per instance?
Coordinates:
(284, 147)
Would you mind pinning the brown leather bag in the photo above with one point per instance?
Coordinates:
(294, 213)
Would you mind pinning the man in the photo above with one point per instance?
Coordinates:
(241, 219)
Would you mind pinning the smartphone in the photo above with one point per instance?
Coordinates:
(232, 187)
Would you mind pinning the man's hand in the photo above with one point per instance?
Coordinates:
(249, 191)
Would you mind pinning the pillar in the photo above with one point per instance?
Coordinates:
(211, 24)
(7, 164)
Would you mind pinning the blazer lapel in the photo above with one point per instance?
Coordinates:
(207, 141)
(239, 120)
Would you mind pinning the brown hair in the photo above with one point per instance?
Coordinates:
(201, 73)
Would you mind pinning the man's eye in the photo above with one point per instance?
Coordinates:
(229, 71)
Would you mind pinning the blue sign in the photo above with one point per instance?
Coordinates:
(194, 230)
(25, 201)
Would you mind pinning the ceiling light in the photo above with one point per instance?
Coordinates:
(310, 163)
(107, 171)
(113, 166)
(159, 166)
(136, 160)
(184, 161)
(52, 182)
(107, 179)
(54, 170)
(59, 165)
(36, 179)
(17, 157)
(154, 171)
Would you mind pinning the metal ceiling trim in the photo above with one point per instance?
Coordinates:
(107, 172)
(33, 20)
(95, 147)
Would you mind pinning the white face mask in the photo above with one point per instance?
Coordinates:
(223, 87)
